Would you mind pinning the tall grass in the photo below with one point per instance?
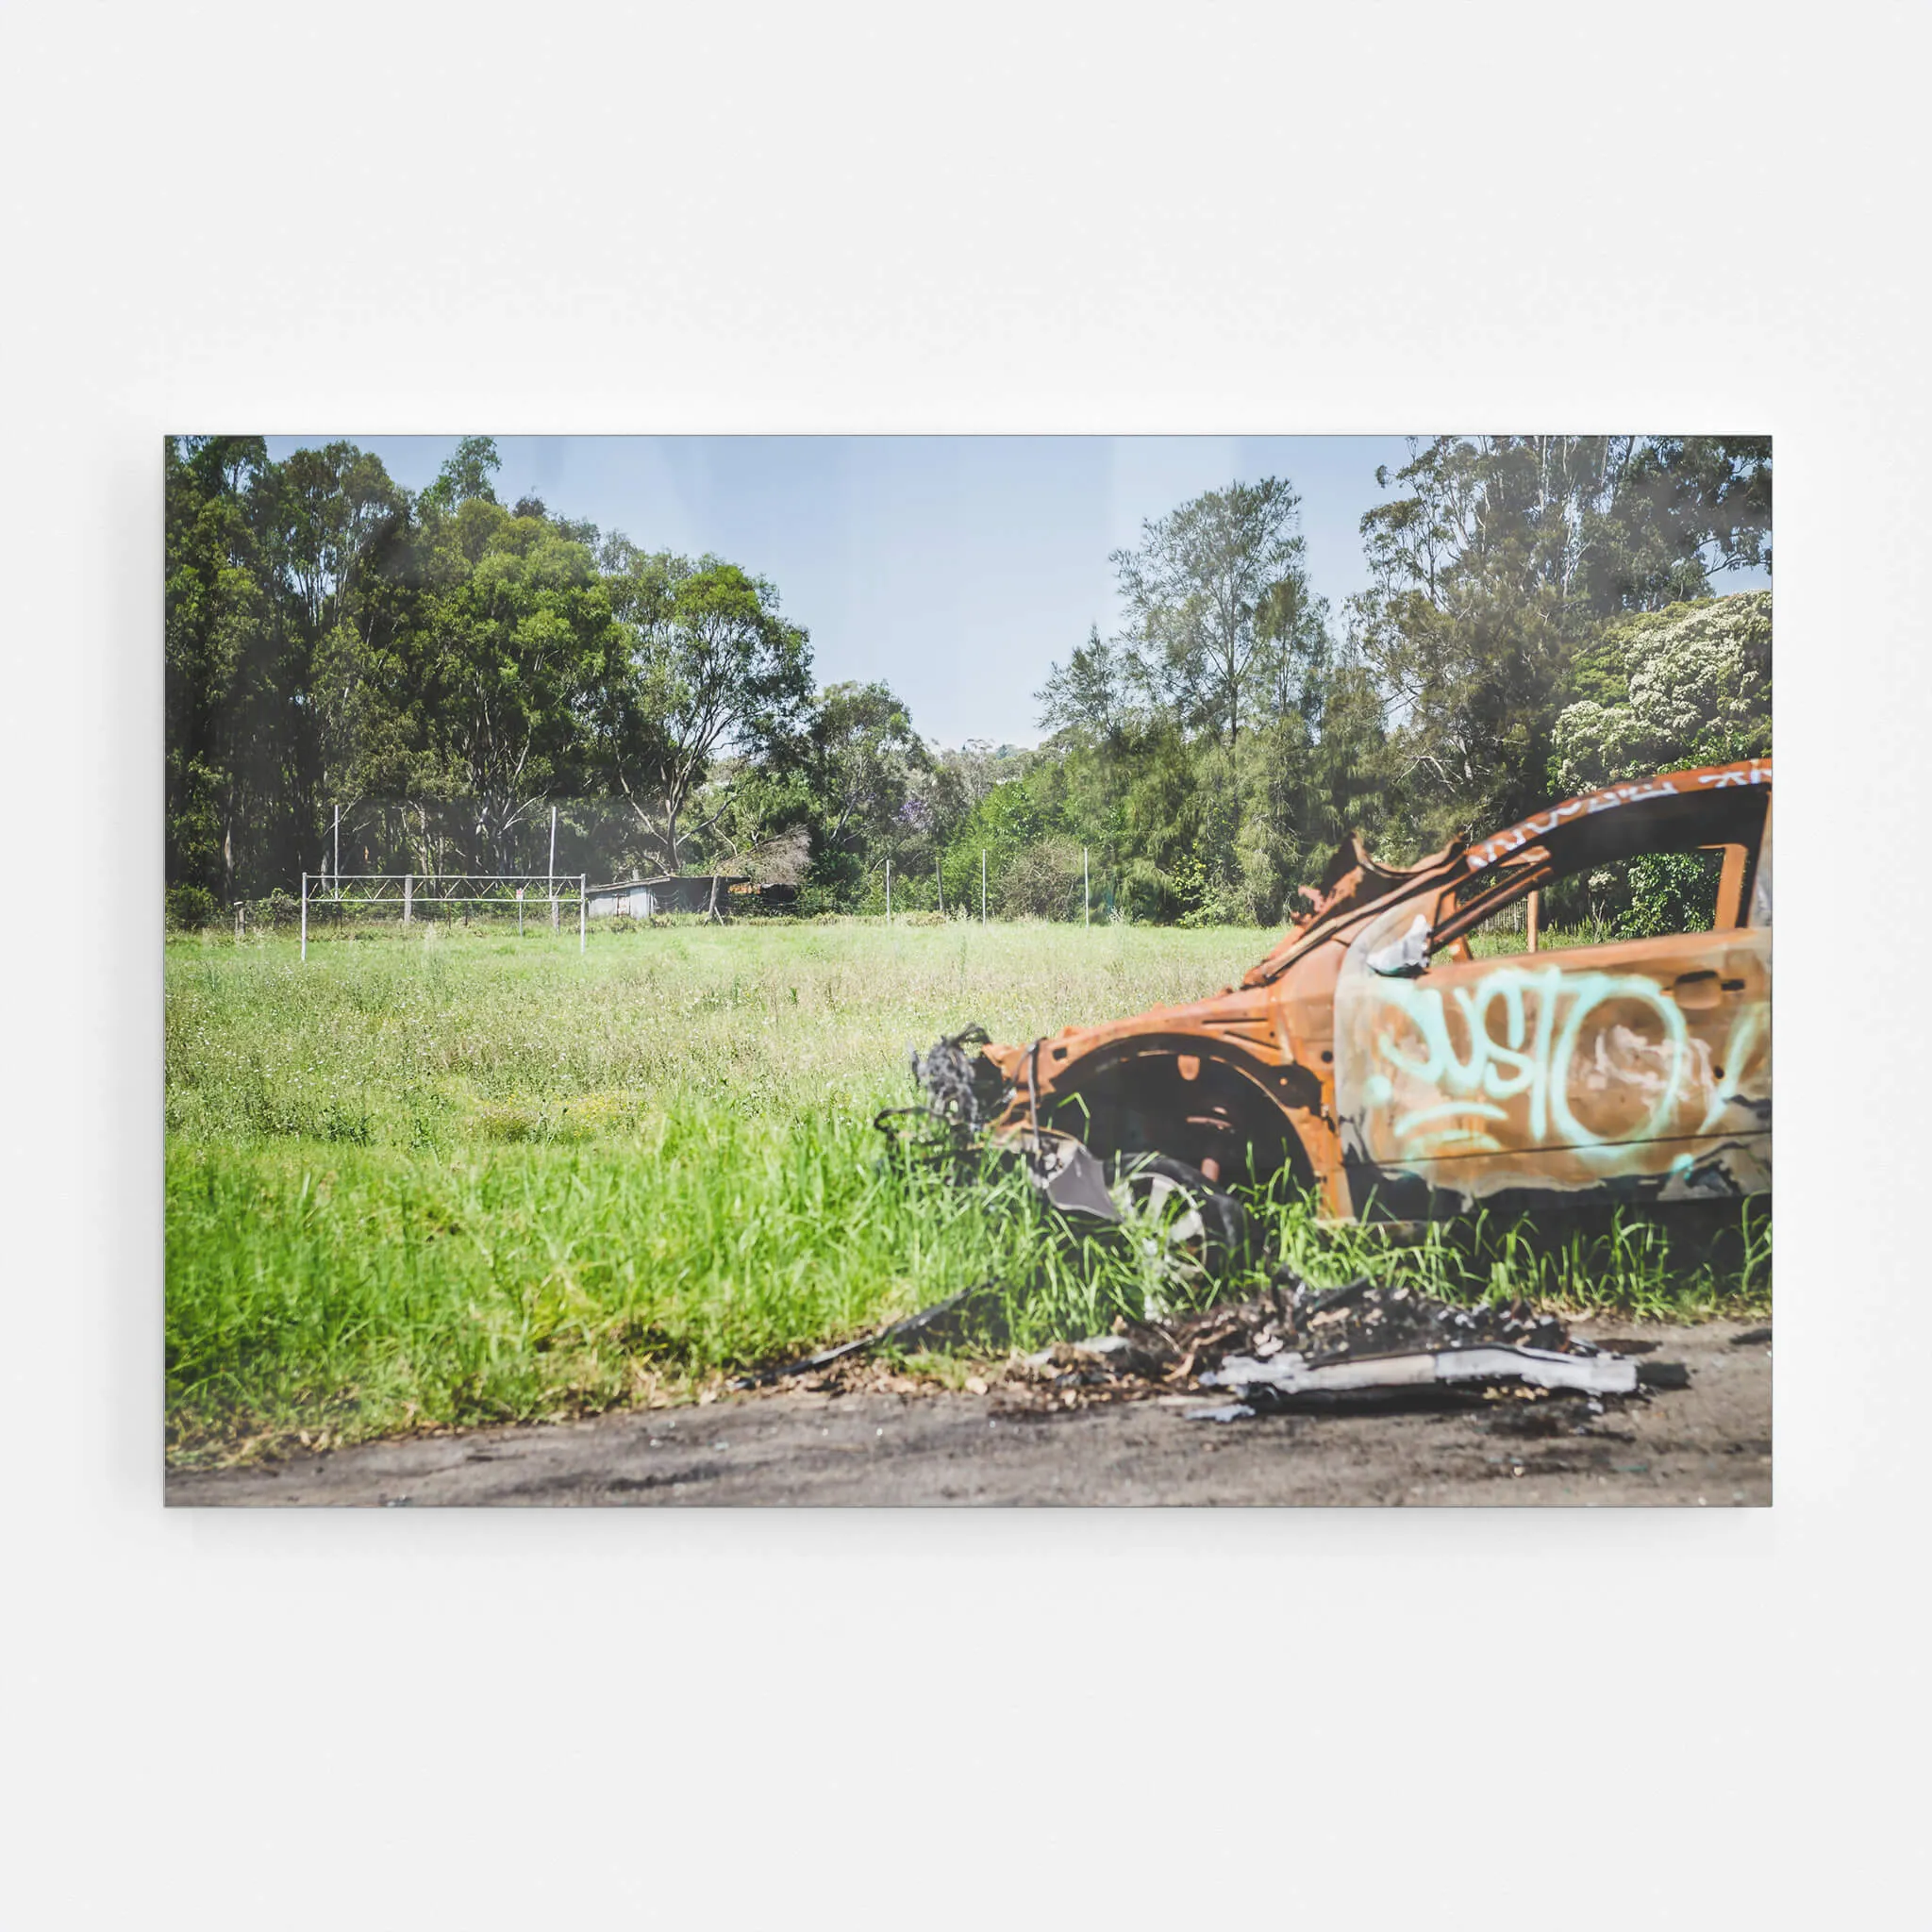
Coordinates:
(1674, 1264)
(468, 1178)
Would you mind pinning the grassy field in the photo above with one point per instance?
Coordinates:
(466, 1177)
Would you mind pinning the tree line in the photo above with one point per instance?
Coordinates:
(439, 669)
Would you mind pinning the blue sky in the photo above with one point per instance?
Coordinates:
(954, 568)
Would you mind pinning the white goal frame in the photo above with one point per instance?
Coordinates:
(410, 889)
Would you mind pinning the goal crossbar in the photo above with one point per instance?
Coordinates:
(441, 889)
(407, 890)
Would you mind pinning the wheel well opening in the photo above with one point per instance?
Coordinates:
(1183, 1099)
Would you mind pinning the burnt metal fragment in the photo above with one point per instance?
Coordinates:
(960, 1084)
(1072, 1180)
(1287, 1380)
(975, 1312)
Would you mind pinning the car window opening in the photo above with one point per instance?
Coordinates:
(1544, 905)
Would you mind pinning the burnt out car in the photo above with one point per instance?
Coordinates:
(1413, 1050)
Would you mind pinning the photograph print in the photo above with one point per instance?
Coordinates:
(1226, 969)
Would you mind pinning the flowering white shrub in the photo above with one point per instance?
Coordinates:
(1697, 689)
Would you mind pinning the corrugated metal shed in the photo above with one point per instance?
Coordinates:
(644, 898)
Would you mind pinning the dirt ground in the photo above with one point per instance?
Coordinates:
(1709, 1445)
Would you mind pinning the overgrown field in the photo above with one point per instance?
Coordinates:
(468, 1177)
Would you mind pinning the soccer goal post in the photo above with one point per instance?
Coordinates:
(332, 901)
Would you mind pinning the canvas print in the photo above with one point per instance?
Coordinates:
(968, 970)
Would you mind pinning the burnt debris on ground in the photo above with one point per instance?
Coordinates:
(1292, 1349)
(1298, 1348)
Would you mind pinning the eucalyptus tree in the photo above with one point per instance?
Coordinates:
(518, 638)
(1195, 589)
(341, 542)
(865, 771)
(465, 476)
(216, 605)
(705, 673)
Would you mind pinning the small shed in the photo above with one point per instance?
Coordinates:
(645, 898)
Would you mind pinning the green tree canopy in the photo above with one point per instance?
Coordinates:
(1201, 593)
(517, 638)
(708, 669)
(866, 763)
(440, 668)
(1496, 558)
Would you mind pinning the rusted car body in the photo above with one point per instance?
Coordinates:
(1374, 1057)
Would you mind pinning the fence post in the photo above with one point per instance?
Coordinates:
(409, 894)
(305, 915)
(583, 906)
(982, 885)
(1086, 889)
(889, 892)
(940, 881)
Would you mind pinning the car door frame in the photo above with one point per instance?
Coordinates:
(1670, 1102)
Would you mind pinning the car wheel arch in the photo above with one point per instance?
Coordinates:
(1186, 1097)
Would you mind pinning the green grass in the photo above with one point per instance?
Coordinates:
(468, 1177)
(1488, 944)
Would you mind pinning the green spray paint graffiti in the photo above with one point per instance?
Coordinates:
(1541, 1037)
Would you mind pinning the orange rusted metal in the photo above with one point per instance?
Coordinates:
(1377, 1059)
